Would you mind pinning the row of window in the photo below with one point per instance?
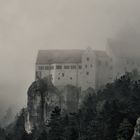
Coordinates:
(67, 67)
(60, 78)
(59, 67)
(46, 67)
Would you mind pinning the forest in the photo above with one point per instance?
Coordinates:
(106, 114)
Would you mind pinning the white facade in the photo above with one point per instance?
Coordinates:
(84, 73)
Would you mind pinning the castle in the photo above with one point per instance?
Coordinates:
(66, 72)
(80, 68)
(85, 68)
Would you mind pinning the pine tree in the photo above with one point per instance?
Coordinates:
(55, 126)
(43, 136)
(87, 114)
(125, 130)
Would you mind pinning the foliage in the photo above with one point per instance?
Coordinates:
(125, 130)
(103, 115)
(56, 129)
(108, 114)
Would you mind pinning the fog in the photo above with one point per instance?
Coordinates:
(29, 25)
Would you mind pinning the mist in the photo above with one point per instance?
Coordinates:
(29, 25)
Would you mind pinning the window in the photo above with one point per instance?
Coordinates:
(58, 78)
(47, 67)
(106, 63)
(41, 67)
(80, 67)
(52, 67)
(73, 67)
(66, 67)
(127, 62)
(70, 78)
(99, 62)
(63, 74)
(86, 66)
(87, 73)
(87, 58)
(133, 63)
(91, 65)
(58, 67)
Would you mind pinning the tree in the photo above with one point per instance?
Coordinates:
(17, 129)
(55, 126)
(2, 134)
(87, 114)
(125, 130)
(43, 136)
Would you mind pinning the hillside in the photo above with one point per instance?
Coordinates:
(112, 112)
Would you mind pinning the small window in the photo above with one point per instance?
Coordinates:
(58, 78)
(58, 67)
(52, 67)
(73, 67)
(127, 62)
(41, 67)
(99, 62)
(63, 74)
(70, 78)
(47, 67)
(133, 63)
(87, 58)
(91, 65)
(106, 63)
(66, 67)
(87, 73)
(86, 66)
(80, 67)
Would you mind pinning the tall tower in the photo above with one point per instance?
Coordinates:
(89, 67)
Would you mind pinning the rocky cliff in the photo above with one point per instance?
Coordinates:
(43, 97)
(136, 135)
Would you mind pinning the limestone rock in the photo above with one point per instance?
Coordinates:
(42, 98)
(136, 135)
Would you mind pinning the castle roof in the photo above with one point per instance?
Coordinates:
(63, 56)
(100, 53)
(59, 56)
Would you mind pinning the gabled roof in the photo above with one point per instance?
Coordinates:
(64, 56)
(59, 56)
(100, 53)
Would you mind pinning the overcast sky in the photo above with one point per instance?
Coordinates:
(29, 25)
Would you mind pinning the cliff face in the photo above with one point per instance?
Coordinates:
(136, 135)
(43, 97)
